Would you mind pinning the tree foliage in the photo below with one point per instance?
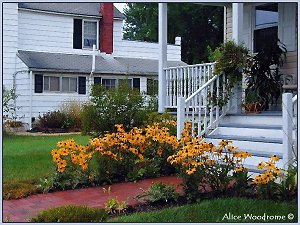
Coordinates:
(199, 26)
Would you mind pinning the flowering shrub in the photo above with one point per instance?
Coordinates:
(274, 182)
(204, 165)
(72, 163)
(138, 153)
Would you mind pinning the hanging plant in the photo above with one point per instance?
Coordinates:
(231, 59)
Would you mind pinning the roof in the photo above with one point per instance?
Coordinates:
(82, 9)
(73, 63)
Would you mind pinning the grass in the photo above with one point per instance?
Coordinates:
(28, 158)
(215, 210)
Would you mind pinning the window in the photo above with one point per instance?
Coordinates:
(266, 26)
(89, 34)
(152, 87)
(69, 84)
(109, 83)
(85, 33)
(126, 81)
(60, 84)
(51, 83)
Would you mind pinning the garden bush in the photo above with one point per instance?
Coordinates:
(122, 105)
(159, 193)
(69, 214)
(66, 119)
(120, 156)
(72, 110)
(52, 120)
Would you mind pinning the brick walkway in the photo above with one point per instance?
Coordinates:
(22, 209)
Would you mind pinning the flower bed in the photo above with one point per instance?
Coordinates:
(154, 151)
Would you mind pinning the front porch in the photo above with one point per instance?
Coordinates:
(191, 90)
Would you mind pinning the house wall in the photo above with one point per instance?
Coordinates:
(290, 66)
(228, 23)
(10, 42)
(54, 33)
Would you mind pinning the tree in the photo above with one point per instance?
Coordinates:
(199, 26)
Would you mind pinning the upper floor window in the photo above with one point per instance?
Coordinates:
(266, 26)
(85, 33)
(89, 34)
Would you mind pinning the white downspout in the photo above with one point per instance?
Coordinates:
(93, 67)
(30, 100)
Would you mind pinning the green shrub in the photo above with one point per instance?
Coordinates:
(121, 105)
(159, 192)
(70, 213)
(52, 120)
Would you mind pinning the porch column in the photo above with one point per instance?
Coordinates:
(162, 61)
(237, 22)
(237, 32)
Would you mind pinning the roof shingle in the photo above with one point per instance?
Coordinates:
(82, 9)
(72, 63)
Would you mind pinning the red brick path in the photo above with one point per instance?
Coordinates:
(22, 209)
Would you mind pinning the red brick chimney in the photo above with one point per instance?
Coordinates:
(106, 27)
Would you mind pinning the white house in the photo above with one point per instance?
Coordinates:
(188, 86)
(48, 54)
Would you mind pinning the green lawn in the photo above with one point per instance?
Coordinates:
(28, 158)
(216, 210)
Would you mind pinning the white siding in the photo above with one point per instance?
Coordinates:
(10, 42)
(45, 32)
(146, 50)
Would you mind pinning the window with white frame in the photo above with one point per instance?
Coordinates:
(90, 30)
(69, 84)
(51, 83)
(85, 33)
(60, 84)
(112, 83)
(109, 83)
(266, 26)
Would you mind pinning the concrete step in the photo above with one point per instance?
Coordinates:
(268, 148)
(246, 138)
(255, 120)
(248, 132)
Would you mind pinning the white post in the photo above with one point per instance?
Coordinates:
(237, 32)
(287, 116)
(237, 22)
(162, 62)
(180, 116)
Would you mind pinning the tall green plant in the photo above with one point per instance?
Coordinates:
(263, 73)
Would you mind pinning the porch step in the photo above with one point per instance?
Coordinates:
(248, 132)
(246, 138)
(271, 119)
(267, 148)
(238, 125)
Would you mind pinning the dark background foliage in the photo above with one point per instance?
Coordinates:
(198, 26)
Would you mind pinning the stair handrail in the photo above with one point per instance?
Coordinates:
(197, 102)
(182, 81)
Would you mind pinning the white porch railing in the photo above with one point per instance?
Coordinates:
(200, 109)
(183, 81)
(289, 115)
